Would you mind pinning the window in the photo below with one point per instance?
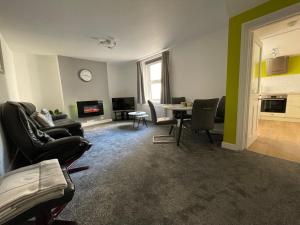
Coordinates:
(153, 79)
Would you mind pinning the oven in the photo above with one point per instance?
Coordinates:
(273, 103)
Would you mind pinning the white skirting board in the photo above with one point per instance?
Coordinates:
(230, 146)
(94, 122)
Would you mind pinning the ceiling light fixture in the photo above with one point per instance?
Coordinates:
(275, 52)
(108, 42)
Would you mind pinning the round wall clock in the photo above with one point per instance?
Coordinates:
(85, 75)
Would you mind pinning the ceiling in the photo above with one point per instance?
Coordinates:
(236, 7)
(283, 35)
(142, 27)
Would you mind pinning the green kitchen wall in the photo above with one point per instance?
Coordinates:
(233, 60)
(293, 67)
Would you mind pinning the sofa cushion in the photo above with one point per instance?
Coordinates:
(66, 123)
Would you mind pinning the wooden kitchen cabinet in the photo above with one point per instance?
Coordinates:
(293, 106)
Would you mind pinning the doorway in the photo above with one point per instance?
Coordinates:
(252, 72)
(273, 112)
(273, 125)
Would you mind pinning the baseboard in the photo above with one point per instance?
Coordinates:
(95, 122)
(230, 146)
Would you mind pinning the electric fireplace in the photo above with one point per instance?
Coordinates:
(90, 108)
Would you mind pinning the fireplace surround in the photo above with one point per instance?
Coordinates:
(90, 108)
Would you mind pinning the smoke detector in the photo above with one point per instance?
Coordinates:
(108, 42)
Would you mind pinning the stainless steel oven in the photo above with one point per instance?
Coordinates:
(273, 103)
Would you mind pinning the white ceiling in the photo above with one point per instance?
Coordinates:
(142, 27)
(235, 7)
(282, 36)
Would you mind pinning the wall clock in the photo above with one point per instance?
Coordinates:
(85, 75)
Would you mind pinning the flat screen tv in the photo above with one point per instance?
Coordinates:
(123, 103)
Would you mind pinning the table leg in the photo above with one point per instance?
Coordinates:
(180, 127)
(139, 122)
(133, 121)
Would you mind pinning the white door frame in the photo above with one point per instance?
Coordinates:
(245, 68)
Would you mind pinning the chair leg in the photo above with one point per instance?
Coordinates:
(145, 122)
(78, 169)
(209, 136)
(43, 218)
(171, 129)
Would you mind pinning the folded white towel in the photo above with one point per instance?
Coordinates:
(26, 187)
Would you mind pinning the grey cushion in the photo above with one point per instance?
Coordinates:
(166, 121)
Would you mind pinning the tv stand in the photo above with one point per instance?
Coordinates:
(122, 114)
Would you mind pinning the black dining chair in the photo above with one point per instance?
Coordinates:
(219, 119)
(178, 100)
(220, 114)
(159, 121)
(203, 116)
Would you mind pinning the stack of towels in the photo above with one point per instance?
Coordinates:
(29, 186)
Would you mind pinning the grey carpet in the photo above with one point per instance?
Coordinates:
(132, 181)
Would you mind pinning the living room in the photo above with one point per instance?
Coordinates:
(59, 55)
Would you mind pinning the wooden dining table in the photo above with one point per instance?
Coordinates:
(181, 109)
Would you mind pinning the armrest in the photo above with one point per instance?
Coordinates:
(65, 142)
(58, 117)
(57, 133)
(63, 148)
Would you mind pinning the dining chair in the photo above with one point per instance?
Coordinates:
(203, 116)
(178, 100)
(159, 121)
(220, 114)
(219, 119)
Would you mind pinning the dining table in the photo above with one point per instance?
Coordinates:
(181, 109)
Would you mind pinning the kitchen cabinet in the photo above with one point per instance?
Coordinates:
(293, 106)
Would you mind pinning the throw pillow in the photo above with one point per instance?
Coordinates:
(42, 120)
(47, 114)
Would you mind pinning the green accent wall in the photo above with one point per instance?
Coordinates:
(293, 67)
(233, 60)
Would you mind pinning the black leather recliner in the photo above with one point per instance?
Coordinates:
(37, 145)
(60, 121)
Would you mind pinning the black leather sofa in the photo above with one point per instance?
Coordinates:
(60, 121)
(37, 145)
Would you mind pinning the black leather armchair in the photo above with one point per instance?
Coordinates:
(37, 145)
(60, 121)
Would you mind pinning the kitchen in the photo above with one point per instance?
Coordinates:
(279, 118)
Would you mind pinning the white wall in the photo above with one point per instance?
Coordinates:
(38, 80)
(8, 91)
(280, 84)
(198, 67)
(122, 79)
(198, 70)
(74, 89)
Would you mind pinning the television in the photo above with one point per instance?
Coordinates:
(120, 104)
